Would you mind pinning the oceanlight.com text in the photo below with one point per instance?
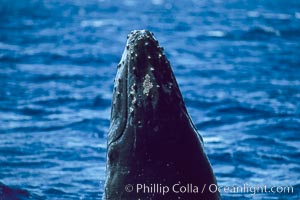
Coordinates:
(157, 188)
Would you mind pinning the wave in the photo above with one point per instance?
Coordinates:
(276, 16)
(256, 33)
(252, 33)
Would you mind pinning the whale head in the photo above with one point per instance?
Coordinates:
(145, 91)
(151, 136)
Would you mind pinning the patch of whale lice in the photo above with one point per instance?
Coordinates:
(147, 85)
(146, 43)
(149, 57)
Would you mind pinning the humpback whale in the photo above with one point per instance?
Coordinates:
(154, 151)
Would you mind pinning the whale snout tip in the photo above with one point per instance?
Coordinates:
(141, 37)
(142, 33)
(143, 53)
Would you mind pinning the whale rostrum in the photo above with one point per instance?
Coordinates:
(152, 143)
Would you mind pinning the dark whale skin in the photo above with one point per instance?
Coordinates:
(152, 140)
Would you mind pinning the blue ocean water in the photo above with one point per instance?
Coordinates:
(237, 64)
